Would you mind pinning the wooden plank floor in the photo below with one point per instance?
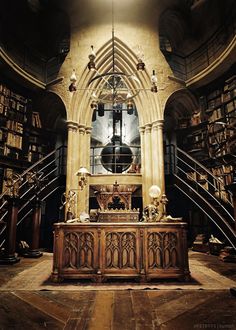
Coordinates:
(75, 306)
(118, 310)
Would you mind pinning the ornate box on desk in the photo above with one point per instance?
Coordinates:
(120, 250)
(118, 215)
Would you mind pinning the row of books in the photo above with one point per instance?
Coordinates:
(12, 103)
(14, 140)
(215, 102)
(219, 99)
(12, 153)
(4, 100)
(17, 105)
(34, 157)
(36, 122)
(230, 83)
(17, 116)
(214, 94)
(1, 135)
(19, 97)
(35, 148)
(3, 109)
(4, 90)
(223, 170)
(8, 93)
(229, 107)
(15, 126)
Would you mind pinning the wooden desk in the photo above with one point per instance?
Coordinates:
(105, 250)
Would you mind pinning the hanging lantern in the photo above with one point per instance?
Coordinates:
(140, 65)
(92, 56)
(154, 82)
(73, 79)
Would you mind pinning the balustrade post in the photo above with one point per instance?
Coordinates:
(33, 251)
(232, 188)
(9, 256)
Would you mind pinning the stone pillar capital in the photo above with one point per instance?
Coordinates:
(148, 128)
(72, 125)
(88, 129)
(158, 124)
(141, 129)
(81, 128)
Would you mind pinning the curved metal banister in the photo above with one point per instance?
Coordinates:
(224, 228)
(30, 169)
(230, 217)
(22, 217)
(205, 169)
(185, 67)
(49, 167)
(180, 165)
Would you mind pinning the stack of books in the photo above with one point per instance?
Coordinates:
(200, 244)
(228, 254)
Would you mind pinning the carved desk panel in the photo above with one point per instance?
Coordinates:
(105, 250)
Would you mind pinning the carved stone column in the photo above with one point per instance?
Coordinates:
(88, 131)
(82, 152)
(142, 143)
(82, 161)
(158, 155)
(72, 155)
(148, 162)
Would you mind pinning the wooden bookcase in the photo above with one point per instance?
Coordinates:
(212, 139)
(23, 140)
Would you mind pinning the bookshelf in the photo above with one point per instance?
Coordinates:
(23, 140)
(192, 139)
(210, 135)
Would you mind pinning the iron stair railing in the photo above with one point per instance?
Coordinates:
(50, 169)
(208, 193)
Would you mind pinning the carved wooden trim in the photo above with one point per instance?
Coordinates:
(98, 251)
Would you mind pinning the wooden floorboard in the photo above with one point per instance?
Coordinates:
(182, 303)
(92, 306)
(217, 312)
(123, 315)
(145, 315)
(102, 315)
(118, 310)
(19, 315)
(82, 312)
(42, 303)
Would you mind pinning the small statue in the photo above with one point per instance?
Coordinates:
(69, 200)
(150, 213)
(13, 185)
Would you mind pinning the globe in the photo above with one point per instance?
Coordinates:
(116, 158)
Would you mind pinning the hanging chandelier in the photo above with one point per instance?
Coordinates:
(114, 86)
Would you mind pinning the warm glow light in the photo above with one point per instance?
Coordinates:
(82, 171)
(73, 77)
(154, 77)
(154, 191)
